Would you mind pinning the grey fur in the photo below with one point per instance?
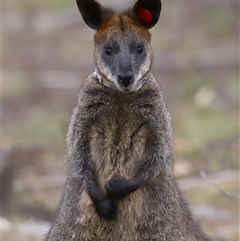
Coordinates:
(121, 184)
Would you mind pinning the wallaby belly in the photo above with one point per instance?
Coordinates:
(116, 150)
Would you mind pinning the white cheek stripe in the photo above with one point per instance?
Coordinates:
(103, 80)
(97, 75)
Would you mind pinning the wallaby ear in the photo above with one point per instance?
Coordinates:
(91, 12)
(147, 12)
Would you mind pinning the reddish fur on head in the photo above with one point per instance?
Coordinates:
(113, 25)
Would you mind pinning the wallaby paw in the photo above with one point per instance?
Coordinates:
(107, 208)
(117, 186)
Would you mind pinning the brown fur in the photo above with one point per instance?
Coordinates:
(114, 133)
(112, 26)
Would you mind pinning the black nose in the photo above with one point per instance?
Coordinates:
(125, 78)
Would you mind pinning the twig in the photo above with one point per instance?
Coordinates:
(226, 192)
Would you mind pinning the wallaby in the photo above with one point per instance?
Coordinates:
(120, 184)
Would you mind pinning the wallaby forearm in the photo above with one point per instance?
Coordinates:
(80, 164)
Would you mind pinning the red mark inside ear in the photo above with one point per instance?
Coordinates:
(144, 15)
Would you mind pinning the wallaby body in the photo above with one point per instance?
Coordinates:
(121, 185)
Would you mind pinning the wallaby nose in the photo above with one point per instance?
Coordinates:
(125, 78)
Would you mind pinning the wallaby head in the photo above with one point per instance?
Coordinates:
(123, 53)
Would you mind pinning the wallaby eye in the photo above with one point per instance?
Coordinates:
(108, 51)
(140, 49)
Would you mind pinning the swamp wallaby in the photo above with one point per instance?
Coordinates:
(120, 185)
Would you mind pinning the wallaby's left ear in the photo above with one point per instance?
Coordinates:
(147, 12)
(92, 12)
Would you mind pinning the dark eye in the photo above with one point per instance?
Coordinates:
(140, 49)
(108, 51)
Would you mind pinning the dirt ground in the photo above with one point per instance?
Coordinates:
(47, 53)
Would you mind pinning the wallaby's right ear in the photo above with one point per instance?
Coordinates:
(92, 13)
(147, 12)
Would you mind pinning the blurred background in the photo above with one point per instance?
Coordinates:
(47, 53)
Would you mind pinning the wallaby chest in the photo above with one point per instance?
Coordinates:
(118, 136)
